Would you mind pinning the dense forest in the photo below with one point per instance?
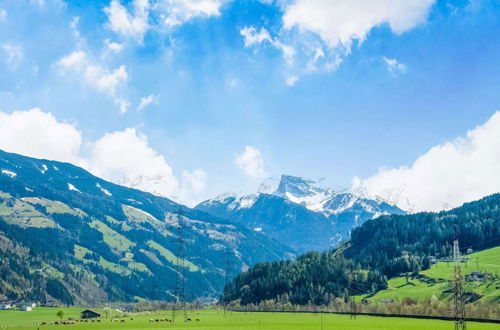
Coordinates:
(381, 248)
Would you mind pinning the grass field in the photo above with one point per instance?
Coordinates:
(212, 319)
(437, 279)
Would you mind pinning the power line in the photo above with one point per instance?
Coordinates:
(180, 269)
(228, 269)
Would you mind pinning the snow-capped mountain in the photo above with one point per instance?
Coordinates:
(159, 184)
(299, 212)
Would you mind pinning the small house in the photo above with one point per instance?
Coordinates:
(27, 308)
(89, 314)
(5, 306)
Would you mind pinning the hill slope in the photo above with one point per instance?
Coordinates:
(481, 272)
(379, 249)
(69, 236)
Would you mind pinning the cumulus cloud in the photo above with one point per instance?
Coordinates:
(340, 22)
(452, 173)
(3, 14)
(133, 24)
(39, 134)
(95, 75)
(394, 66)
(147, 100)
(251, 162)
(124, 157)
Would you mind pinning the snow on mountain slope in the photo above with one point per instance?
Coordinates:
(299, 212)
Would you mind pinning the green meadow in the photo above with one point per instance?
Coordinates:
(213, 319)
(436, 280)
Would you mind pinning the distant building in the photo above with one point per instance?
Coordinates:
(88, 314)
(5, 306)
(476, 276)
(27, 308)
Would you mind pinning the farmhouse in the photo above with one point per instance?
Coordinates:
(27, 308)
(88, 314)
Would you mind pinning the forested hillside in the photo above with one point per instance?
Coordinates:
(70, 237)
(379, 249)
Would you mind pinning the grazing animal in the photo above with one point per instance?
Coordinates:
(197, 320)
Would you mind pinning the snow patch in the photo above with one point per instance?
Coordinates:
(9, 173)
(44, 169)
(72, 187)
(105, 191)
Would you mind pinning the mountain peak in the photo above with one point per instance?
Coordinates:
(297, 186)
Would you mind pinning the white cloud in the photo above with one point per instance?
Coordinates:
(448, 174)
(195, 180)
(3, 14)
(124, 157)
(251, 162)
(39, 134)
(113, 46)
(317, 34)
(291, 80)
(177, 12)
(340, 22)
(394, 66)
(252, 37)
(123, 105)
(13, 54)
(96, 76)
(135, 22)
(134, 25)
(147, 100)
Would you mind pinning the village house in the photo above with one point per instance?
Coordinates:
(5, 306)
(89, 314)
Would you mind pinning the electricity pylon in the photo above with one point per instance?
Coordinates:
(458, 290)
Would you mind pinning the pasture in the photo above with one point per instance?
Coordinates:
(213, 319)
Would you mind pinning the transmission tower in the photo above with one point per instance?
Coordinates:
(228, 268)
(458, 291)
(180, 269)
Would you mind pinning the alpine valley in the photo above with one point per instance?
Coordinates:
(70, 237)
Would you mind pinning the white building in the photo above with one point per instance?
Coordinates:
(5, 306)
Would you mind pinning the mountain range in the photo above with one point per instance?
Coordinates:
(299, 213)
(70, 237)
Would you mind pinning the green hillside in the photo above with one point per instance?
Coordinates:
(436, 281)
(71, 238)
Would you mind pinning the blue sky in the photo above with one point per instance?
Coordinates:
(236, 91)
